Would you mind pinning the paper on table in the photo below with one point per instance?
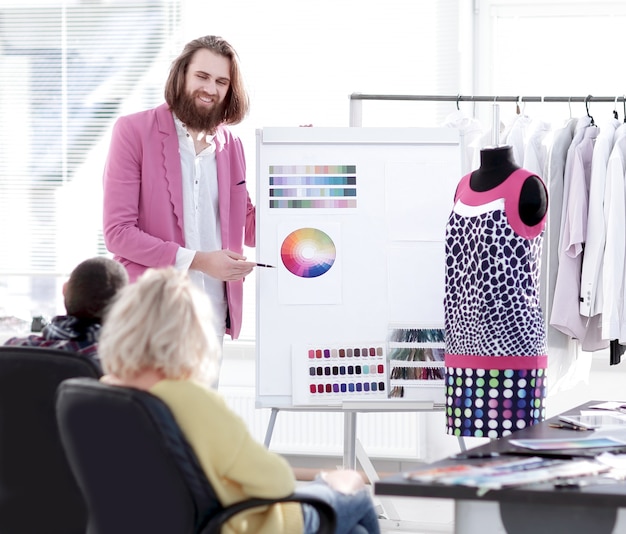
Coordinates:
(610, 405)
(594, 420)
(568, 444)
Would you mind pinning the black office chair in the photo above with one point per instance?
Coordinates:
(38, 492)
(137, 471)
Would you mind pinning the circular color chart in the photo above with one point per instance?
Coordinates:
(308, 252)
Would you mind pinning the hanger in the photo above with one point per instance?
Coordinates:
(615, 115)
(495, 126)
(569, 105)
(587, 108)
(458, 97)
(521, 99)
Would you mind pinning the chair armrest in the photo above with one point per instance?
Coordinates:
(213, 524)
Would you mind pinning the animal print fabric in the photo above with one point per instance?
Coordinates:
(492, 315)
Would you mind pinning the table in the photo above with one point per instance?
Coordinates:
(539, 508)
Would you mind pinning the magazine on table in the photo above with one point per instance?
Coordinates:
(569, 444)
(506, 472)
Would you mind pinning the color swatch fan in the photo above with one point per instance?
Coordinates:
(308, 252)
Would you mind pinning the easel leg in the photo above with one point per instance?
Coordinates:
(349, 440)
(389, 518)
(270, 427)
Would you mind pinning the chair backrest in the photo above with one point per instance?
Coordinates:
(129, 456)
(38, 492)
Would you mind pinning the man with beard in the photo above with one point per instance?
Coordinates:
(175, 181)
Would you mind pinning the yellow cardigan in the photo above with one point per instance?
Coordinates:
(236, 464)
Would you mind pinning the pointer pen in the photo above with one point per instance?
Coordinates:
(265, 265)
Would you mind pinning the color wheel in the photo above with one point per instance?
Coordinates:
(308, 252)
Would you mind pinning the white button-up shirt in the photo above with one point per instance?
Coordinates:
(201, 221)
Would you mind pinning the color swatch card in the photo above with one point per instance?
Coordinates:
(330, 374)
(416, 362)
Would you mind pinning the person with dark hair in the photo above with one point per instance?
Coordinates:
(175, 181)
(90, 289)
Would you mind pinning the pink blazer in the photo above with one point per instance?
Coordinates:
(143, 197)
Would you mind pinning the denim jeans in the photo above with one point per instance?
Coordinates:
(355, 512)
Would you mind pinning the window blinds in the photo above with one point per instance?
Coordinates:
(68, 70)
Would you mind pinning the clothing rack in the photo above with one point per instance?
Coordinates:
(356, 119)
(494, 98)
(356, 100)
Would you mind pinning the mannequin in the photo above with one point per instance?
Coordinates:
(495, 342)
(496, 165)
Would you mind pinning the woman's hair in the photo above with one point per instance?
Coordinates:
(162, 322)
(236, 103)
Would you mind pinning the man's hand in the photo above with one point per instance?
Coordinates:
(222, 264)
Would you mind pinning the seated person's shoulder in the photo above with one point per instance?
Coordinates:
(189, 392)
(32, 340)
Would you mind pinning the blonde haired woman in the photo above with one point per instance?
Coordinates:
(158, 337)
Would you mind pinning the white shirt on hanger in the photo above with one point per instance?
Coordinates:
(564, 366)
(615, 247)
(565, 311)
(591, 294)
(579, 133)
(536, 149)
(470, 130)
(516, 137)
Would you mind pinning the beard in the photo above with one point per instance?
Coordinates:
(195, 117)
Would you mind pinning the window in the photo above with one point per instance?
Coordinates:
(550, 48)
(68, 70)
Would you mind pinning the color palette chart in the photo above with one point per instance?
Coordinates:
(308, 252)
(330, 374)
(312, 186)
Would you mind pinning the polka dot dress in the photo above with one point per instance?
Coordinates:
(496, 360)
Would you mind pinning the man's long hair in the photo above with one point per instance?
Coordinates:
(236, 103)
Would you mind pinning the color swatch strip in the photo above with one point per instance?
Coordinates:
(316, 203)
(313, 192)
(312, 180)
(346, 352)
(312, 169)
(347, 371)
(347, 387)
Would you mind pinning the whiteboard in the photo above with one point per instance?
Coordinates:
(354, 221)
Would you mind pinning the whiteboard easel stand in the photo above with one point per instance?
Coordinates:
(353, 449)
(349, 432)
(350, 409)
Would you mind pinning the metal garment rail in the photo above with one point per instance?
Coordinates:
(356, 119)
(356, 100)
